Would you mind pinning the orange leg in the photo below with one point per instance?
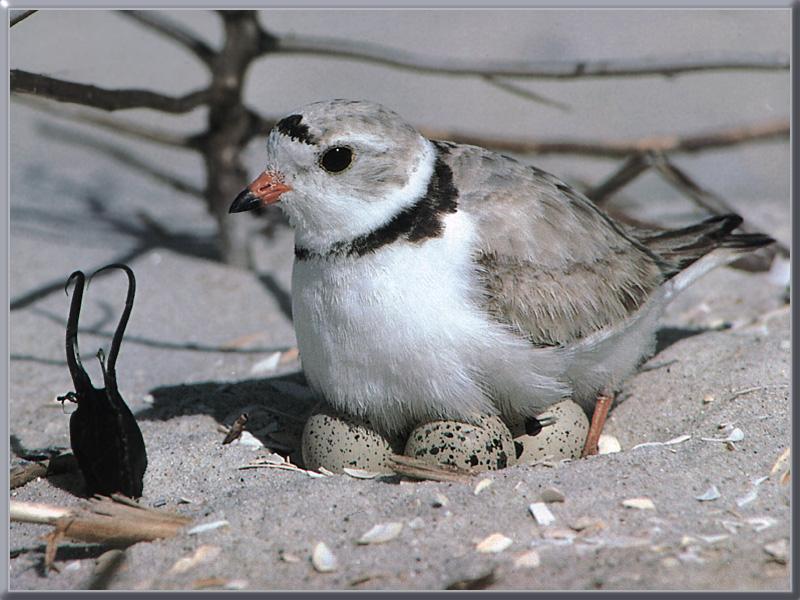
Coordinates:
(603, 403)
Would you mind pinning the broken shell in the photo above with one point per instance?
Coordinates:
(563, 439)
(527, 560)
(440, 500)
(323, 559)
(778, 550)
(541, 513)
(484, 445)
(711, 493)
(608, 444)
(482, 485)
(494, 543)
(335, 441)
(559, 533)
(639, 503)
(207, 527)
(383, 532)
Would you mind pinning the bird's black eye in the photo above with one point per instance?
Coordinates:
(336, 159)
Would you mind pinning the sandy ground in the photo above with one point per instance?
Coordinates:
(73, 208)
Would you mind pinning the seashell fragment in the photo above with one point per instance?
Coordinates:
(542, 514)
(778, 550)
(440, 500)
(639, 503)
(266, 365)
(736, 435)
(710, 494)
(482, 485)
(608, 444)
(494, 543)
(383, 532)
(360, 473)
(323, 559)
(208, 527)
(527, 560)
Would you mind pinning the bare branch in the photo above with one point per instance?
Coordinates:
(23, 82)
(627, 172)
(770, 130)
(173, 31)
(20, 16)
(115, 125)
(522, 92)
(376, 53)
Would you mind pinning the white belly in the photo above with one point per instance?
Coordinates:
(395, 337)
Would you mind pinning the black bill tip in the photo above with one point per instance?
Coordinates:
(246, 200)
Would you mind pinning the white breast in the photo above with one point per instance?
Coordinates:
(395, 336)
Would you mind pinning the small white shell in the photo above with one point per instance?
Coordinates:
(482, 485)
(335, 441)
(494, 543)
(527, 560)
(380, 533)
(323, 559)
(207, 527)
(484, 445)
(710, 494)
(563, 439)
(608, 444)
(639, 503)
(541, 513)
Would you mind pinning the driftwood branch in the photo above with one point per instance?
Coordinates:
(668, 144)
(173, 31)
(24, 82)
(384, 55)
(115, 521)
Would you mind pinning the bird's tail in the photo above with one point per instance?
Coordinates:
(680, 248)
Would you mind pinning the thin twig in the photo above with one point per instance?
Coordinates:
(24, 82)
(522, 92)
(114, 124)
(376, 53)
(173, 31)
(24, 14)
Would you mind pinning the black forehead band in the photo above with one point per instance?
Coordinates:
(292, 127)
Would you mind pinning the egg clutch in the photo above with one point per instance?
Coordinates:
(335, 441)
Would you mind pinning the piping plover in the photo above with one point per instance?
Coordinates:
(438, 280)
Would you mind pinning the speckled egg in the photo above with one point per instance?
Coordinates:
(334, 441)
(564, 439)
(483, 446)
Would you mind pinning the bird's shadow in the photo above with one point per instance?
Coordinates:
(277, 407)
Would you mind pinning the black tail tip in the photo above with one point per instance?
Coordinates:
(748, 241)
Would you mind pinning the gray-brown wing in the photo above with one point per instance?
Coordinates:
(553, 267)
